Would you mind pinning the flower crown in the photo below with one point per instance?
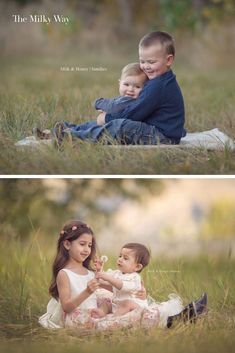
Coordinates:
(73, 228)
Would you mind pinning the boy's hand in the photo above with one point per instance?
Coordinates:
(101, 118)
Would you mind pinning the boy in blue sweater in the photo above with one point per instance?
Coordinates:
(158, 114)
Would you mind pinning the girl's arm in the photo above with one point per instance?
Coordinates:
(63, 286)
(108, 287)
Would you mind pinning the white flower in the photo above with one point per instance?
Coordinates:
(104, 258)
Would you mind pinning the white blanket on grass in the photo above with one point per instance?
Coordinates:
(211, 140)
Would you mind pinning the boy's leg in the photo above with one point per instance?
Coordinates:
(139, 133)
(124, 307)
(96, 132)
(83, 126)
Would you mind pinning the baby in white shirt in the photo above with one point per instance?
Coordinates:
(124, 281)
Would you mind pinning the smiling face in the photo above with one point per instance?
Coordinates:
(154, 60)
(130, 86)
(126, 262)
(79, 249)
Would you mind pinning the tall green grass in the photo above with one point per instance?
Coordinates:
(25, 271)
(34, 92)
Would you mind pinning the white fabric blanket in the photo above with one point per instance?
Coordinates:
(211, 140)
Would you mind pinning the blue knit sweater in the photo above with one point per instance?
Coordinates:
(160, 104)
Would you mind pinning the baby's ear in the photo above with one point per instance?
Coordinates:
(67, 244)
(139, 267)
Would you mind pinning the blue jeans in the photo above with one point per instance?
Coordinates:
(139, 133)
(125, 131)
(92, 132)
(83, 126)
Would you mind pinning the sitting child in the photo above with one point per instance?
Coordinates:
(131, 83)
(124, 281)
(158, 115)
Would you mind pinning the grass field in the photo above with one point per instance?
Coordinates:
(35, 92)
(25, 270)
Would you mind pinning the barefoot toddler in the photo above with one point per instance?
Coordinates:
(124, 281)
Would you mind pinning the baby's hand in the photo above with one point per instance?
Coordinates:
(101, 119)
(102, 275)
(99, 262)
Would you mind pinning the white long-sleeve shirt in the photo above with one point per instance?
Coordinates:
(131, 283)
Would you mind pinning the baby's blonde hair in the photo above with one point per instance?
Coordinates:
(133, 69)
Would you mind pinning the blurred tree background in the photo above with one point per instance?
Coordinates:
(178, 215)
(112, 26)
(128, 13)
(29, 204)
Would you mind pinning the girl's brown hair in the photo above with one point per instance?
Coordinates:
(71, 231)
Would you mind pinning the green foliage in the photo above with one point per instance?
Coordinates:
(121, 16)
(188, 14)
(178, 14)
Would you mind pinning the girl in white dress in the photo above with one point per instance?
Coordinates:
(73, 284)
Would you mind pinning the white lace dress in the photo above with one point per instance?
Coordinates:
(56, 318)
(146, 315)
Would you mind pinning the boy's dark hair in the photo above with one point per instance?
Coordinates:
(164, 38)
(142, 254)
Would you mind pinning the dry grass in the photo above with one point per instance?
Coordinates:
(25, 275)
(36, 93)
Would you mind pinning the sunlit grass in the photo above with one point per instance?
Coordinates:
(25, 271)
(37, 93)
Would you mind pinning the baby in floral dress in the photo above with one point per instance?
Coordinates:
(124, 281)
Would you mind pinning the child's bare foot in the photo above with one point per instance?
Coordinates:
(97, 313)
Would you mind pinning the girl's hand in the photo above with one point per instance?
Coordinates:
(141, 294)
(92, 286)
